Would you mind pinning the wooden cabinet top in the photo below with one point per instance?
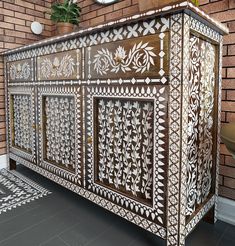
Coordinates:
(181, 6)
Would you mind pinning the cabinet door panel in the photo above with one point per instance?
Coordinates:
(60, 134)
(22, 128)
(126, 147)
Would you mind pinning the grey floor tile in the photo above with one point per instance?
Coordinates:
(44, 230)
(65, 219)
(56, 241)
(228, 238)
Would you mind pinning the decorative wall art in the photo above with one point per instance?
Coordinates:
(126, 115)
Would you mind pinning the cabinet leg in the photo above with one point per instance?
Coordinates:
(12, 164)
(210, 216)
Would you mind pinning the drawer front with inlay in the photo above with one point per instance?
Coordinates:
(22, 70)
(59, 66)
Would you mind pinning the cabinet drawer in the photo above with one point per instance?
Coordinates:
(59, 66)
(135, 58)
(21, 70)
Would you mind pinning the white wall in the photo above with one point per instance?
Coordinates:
(3, 161)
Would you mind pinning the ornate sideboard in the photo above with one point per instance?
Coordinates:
(125, 114)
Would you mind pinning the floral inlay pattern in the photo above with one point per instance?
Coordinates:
(63, 65)
(20, 71)
(60, 130)
(125, 146)
(22, 120)
(56, 68)
(200, 126)
(139, 59)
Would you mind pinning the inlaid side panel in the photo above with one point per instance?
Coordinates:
(201, 125)
(22, 128)
(126, 147)
(60, 66)
(22, 70)
(60, 136)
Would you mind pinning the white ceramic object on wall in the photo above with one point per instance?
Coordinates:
(36, 27)
(106, 1)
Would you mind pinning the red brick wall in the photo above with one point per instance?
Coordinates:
(15, 20)
(93, 13)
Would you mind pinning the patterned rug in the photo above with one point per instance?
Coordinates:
(16, 190)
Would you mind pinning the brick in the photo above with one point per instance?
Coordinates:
(231, 95)
(224, 72)
(114, 15)
(230, 117)
(90, 15)
(14, 20)
(202, 2)
(231, 72)
(14, 7)
(5, 25)
(228, 84)
(228, 106)
(231, 50)
(24, 16)
(131, 10)
(3, 151)
(7, 12)
(24, 4)
(229, 61)
(224, 16)
(34, 13)
(2, 137)
(229, 39)
(227, 192)
(227, 171)
(22, 28)
(97, 20)
(231, 4)
(225, 50)
(122, 4)
(213, 7)
(231, 26)
(105, 10)
(15, 34)
(229, 182)
(11, 45)
(224, 95)
(222, 159)
(223, 116)
(229, 161)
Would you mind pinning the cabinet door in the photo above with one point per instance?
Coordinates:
(126, 146)
(60, 135)
(22, 127)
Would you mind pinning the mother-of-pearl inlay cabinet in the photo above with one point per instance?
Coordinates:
(125, 114)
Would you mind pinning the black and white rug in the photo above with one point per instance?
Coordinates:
(16, 190)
